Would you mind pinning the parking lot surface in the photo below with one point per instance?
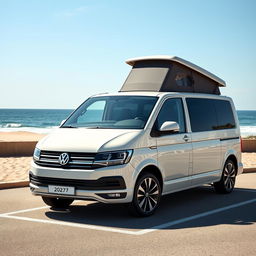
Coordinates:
(193, 222)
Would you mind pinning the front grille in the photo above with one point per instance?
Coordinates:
(104, 183)
(76, 160)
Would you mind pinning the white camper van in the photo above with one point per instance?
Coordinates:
(167, 130)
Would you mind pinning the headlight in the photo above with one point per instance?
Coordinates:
(36, 154)
(113, 158)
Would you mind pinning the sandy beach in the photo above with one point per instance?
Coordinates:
(20, 136)
(17, 168)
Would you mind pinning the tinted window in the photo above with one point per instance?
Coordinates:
(210, 114)
(202, 114)
(172, 110)
(225, 115)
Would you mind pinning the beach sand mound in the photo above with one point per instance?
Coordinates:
(14, 168)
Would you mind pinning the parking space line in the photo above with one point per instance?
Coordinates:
(197, 216)
(26, 210)
(86, 226)
(123, 231)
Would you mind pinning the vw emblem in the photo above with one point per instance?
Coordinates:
(63, 158)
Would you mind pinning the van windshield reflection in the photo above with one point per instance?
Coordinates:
(112, 112)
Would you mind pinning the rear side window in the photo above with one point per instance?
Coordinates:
(202, 114)
(225, 115)
(210, 114)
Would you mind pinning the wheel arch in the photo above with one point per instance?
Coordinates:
(233, 159)
(153, 170)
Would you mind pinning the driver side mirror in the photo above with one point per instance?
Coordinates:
(169, 126)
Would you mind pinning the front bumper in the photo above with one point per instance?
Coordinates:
(96, 184)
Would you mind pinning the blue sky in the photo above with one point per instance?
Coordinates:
(54, 54)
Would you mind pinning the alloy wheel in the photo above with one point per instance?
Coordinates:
(148, 194)
(229, 176)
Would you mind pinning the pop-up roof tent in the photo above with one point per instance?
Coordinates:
(170, 74)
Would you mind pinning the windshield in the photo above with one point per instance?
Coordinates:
(112, 112)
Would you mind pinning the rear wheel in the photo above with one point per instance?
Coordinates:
(228, 178)
(147, 194)
(57, 202)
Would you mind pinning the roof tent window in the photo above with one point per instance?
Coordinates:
(183, 80)
(146, 76)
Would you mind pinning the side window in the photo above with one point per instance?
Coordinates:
(225, 115)
(94, 113)
(172, 110)
(202, 114)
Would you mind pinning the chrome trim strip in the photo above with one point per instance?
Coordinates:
(82, 158)
(50, 156)
(81, 162)
(48, 161)
(205, 174)
(193, 177)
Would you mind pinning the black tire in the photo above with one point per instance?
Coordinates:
(57, 202)
(146, 197)
(227, 183)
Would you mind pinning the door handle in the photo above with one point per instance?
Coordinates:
(186, 138)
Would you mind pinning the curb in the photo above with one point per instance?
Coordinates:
(14, 184)
(249, 170)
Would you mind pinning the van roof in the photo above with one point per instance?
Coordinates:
(161, 94)
(186, 63)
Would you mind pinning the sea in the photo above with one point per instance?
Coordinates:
(45, 120)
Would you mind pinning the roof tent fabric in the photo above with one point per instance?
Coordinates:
(147, 76)
(167, 76)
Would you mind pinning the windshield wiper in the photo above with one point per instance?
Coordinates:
(95, 127)
(68, 126)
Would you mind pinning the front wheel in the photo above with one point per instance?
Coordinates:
(57, 202)
(147, 194)
(228, 179)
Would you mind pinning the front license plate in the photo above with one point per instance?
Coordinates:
(63, 190)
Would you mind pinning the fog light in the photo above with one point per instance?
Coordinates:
(114, 195)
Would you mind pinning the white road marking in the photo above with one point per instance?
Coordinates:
(26, 210)
(123, 231)
(95, 227)
(197, 216)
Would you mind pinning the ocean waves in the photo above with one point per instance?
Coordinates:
(10, 125)
(29, 129)
(248, 131)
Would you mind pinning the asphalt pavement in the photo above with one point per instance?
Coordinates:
(192, 222)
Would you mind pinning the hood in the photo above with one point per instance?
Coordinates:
(88, 140)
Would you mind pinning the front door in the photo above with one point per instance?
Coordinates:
(174, 150)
